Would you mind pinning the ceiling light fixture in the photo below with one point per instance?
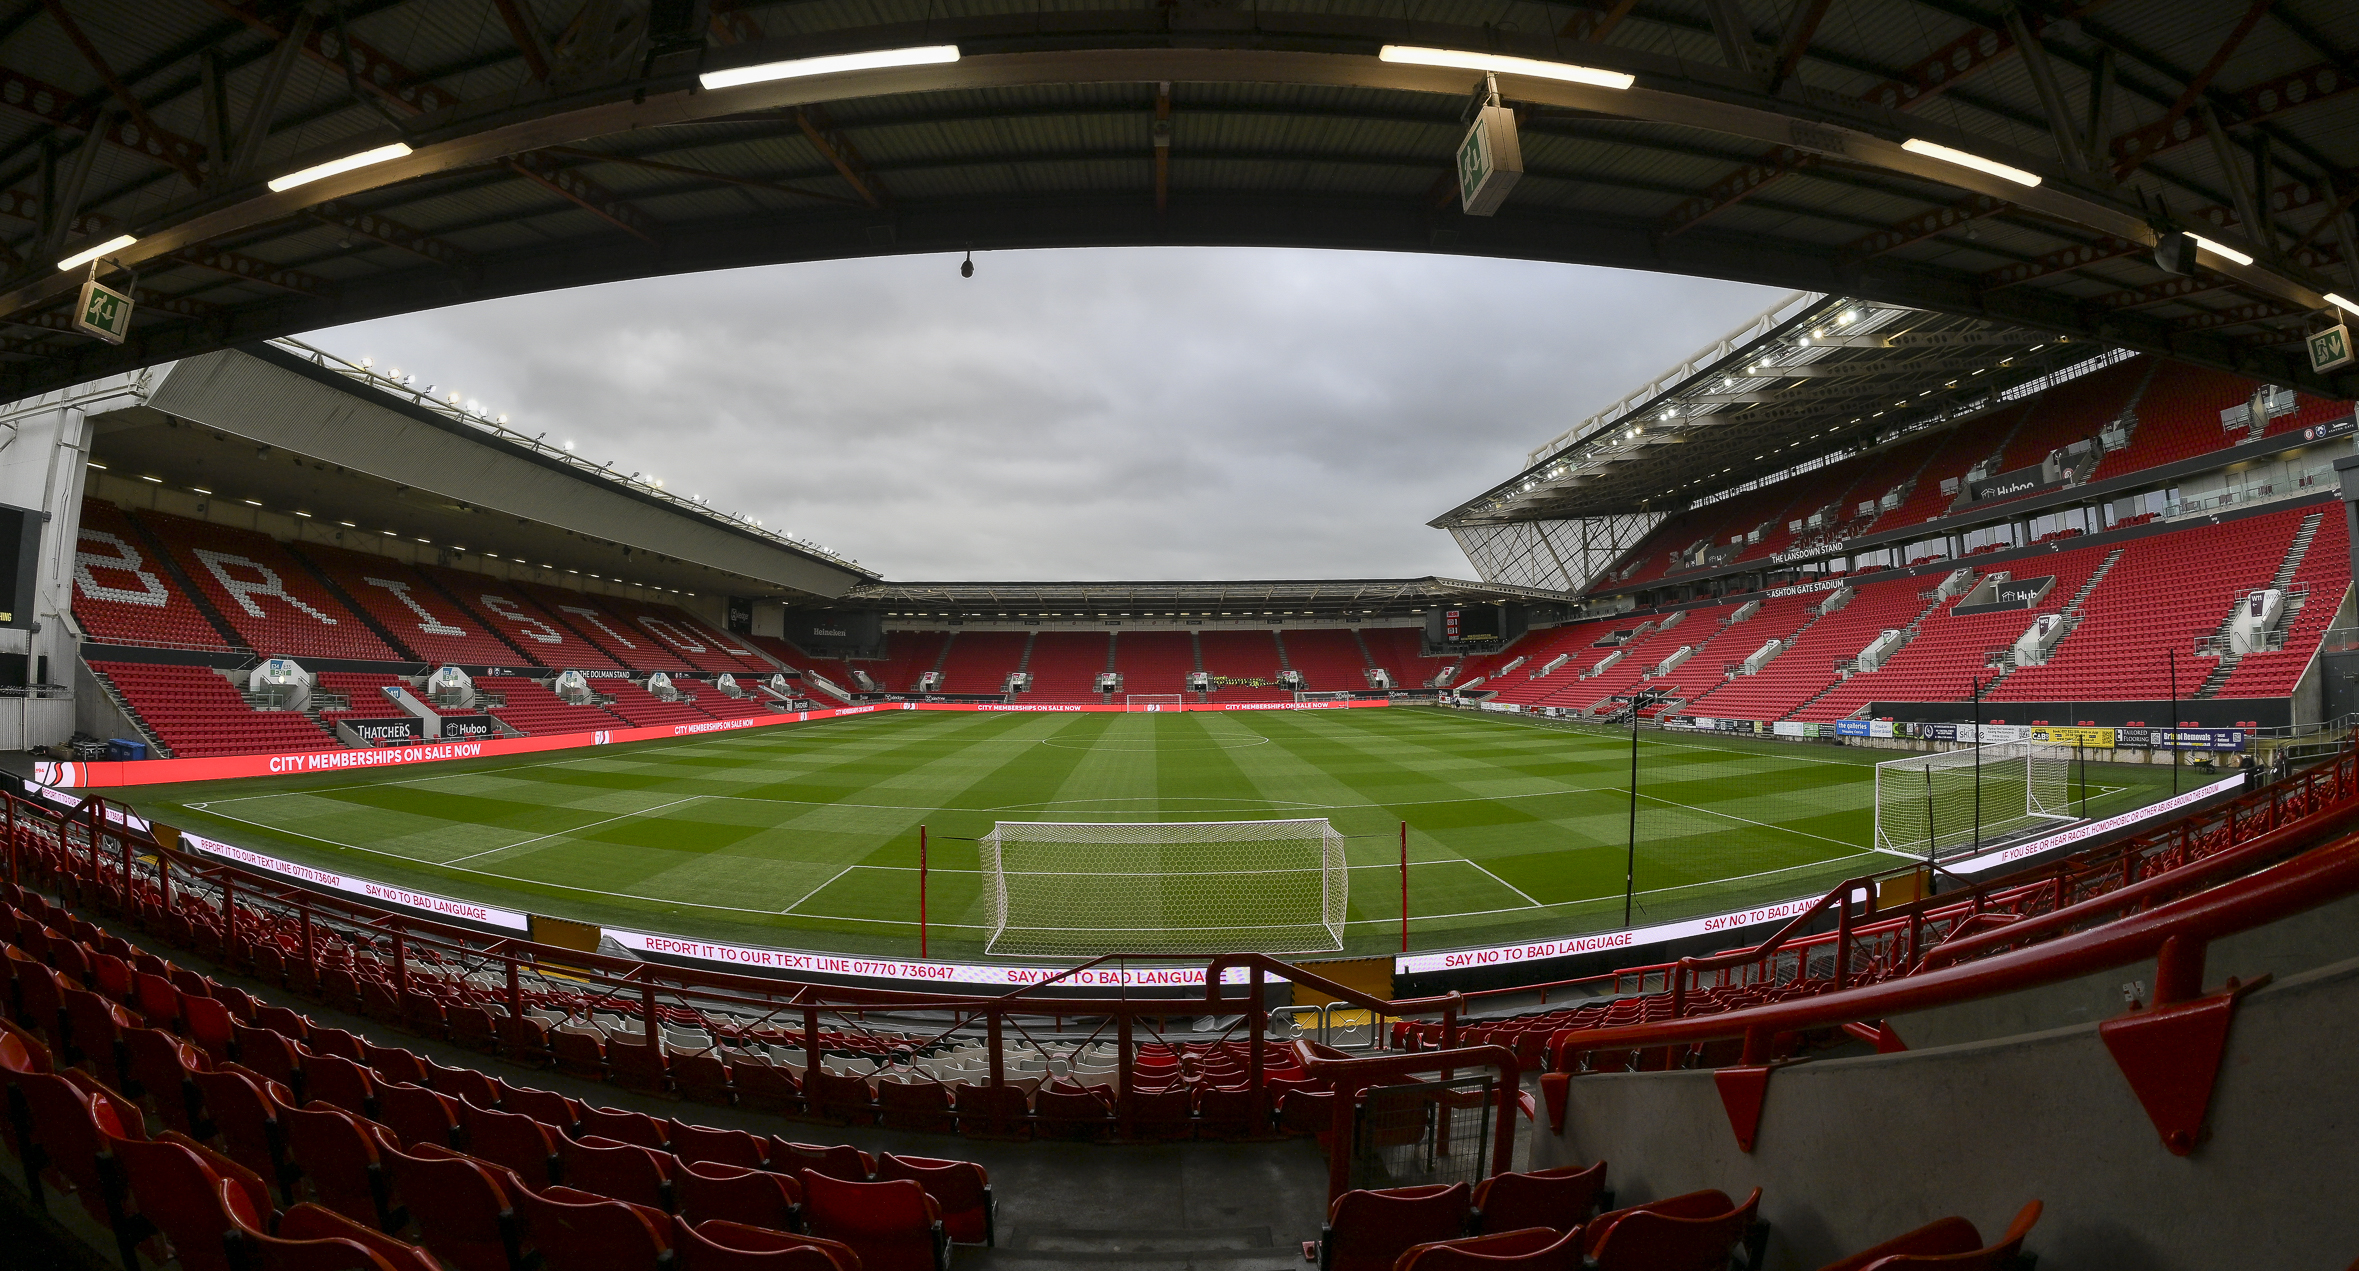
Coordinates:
(2340, 303)
(88, 254)
(1455, 59)
(2221, 250)
(333, 167)
(1964, 160)
(834, 64)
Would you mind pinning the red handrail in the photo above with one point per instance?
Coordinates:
(2322, 874)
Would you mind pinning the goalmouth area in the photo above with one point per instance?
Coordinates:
(808, 836)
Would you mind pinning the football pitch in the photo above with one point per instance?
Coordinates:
(806, 836)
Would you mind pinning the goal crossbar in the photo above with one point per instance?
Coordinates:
(1081, 889)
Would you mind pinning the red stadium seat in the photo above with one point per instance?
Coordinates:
(192, 1205)
(621, 1171)
(759, 1198)
(514, 1140)
(960, 1188)
(418, 1115)
(570, 1228)
(464, 1214)
(838, 1161)
(1369, 1230)
(1560, 1199)
(1692, 1232)
(1946, 1244)
(342, 1159)
(893, 1226)
(310, 1238)
(1527, 1249)
(729, 1246)
(697, 1144)
(622, 1126)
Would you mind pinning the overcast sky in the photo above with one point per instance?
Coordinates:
(1089, 414)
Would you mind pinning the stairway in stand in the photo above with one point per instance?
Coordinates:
(2072, 619)
(2294, 601)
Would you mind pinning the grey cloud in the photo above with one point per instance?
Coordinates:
(1170, 413)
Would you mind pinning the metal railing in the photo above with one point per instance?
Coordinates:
(499, 990)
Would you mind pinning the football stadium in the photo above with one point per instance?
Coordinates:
(1882, 792)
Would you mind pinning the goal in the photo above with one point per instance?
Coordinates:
(1164, 887)
(1151, 702)
(1934, 803)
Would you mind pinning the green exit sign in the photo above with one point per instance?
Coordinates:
(2330, 348)
(104, 312)
(1490, 161)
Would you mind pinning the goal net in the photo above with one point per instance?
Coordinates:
(1151, 701)
(1934, 803)
(1164, 887)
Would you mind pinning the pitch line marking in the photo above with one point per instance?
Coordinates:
(820, 888)
(576, 829)
(1504, 883)
(505, 878)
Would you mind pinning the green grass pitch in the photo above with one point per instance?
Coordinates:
(806, 836)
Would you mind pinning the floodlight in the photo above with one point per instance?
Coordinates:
(88, 254)
(797, 68)
(1457, 59)
(321, 171)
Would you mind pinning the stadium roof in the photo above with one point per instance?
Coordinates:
(1349, 595)
(1849, 372)
(525, 145)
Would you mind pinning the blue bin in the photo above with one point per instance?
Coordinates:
(119, 749)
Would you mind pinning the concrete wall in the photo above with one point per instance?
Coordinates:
(1854, 1151)
(43, 445)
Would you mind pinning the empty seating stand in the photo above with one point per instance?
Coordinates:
(520, 620)
(643, 709)
(195, 712)
(624, 643)
(427, 623)
(279, 1182)
(712, 701)
(981, 661)
(530, 707)
(1154, 662)
(1328, 657)
(1065, 665)
(124, 594)
(268, 596)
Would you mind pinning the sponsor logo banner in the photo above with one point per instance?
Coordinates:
(2099, 738)
(2334, 428)
(405, 728)
(1606, 941)
(374, 893)
(2182, 738)
(898, 969)
(2008, 484)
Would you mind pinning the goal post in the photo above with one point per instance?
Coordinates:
(1151, 701)
(1928, 803)
(1164, 887)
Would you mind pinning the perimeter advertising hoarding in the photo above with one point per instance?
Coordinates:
(873, 968)
(1638, 937)
(100, 775)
